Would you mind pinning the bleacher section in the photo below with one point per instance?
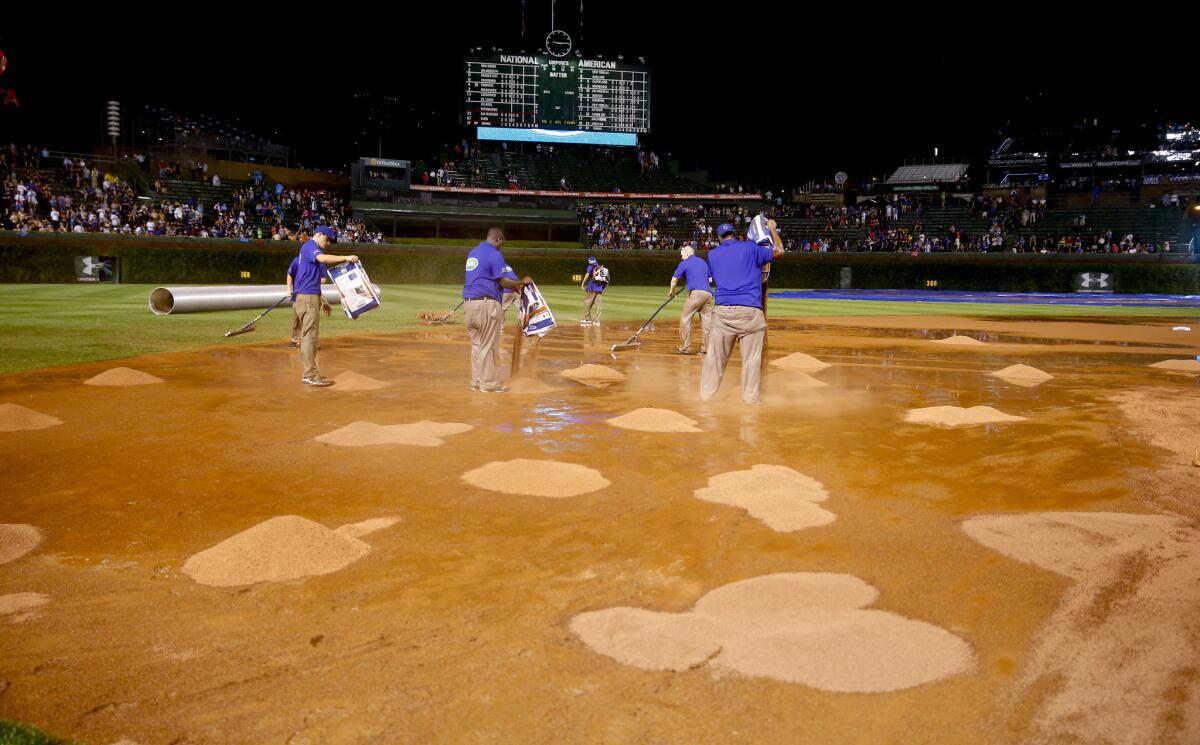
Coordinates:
(1147, 225)
(203, 192)
(938, 173)
(582, 172)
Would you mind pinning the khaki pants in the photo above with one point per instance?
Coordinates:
(698, 301)
(295, 323)
(748, 327)
(308, 309)
(510, 298)
(593, 299)
(485, 322)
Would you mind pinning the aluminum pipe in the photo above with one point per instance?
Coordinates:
(165, 301)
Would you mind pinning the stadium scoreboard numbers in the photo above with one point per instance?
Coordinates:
(542, 92)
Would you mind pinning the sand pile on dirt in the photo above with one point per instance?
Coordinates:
(21, 601)
(784, 499)
(957, 340)
(1023, 375)
(122, 376)
(800, 361)
(366, 527)
(654, 420)
(280, 549)
(809, 628)
(1121, 649)
(536, 478)
(14, 418)
(957, 416)
(1179, 365)
(593, 375)
(17, 540)
(352, 381)
(421, 434)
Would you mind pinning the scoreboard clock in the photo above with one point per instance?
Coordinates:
(558, 43)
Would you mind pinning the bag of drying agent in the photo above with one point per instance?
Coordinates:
(536, 310)
(358, 295)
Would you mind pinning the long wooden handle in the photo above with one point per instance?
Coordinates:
(517, 340)
(766, 282)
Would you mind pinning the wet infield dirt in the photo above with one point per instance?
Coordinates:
(457, 625)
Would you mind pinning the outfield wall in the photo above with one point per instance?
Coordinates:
(46, 258)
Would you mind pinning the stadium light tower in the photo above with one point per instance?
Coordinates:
(114, 123)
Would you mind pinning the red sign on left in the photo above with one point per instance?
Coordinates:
(10, 96)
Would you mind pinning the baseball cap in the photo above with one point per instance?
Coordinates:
(724, 228)
(591, 259)
(327, 232)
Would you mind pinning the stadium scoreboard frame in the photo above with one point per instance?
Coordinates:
(541, 92)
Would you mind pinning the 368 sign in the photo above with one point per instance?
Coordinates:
(10, 96)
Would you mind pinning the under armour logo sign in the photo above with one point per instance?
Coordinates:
(90, 266)
(1094, 281)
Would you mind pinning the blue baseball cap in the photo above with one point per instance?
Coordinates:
(327, 232)
(724, 228)
(591, 259)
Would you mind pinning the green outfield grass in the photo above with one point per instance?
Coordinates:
(50, 325)
(16, 734)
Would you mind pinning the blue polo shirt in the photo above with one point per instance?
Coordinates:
(485, 266)
(306, 280)
(696, 271)
(296, 263)
(509, 274)
(736, 268)
(593, 285)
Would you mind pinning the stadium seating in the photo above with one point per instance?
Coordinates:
(940, 173)
(583, 173)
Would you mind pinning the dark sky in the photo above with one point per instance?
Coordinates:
(761, 92)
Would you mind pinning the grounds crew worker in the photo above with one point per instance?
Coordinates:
(307, 285)
(487, 274)
(296, 311)
(594, 284)
(736, 268)
(694, 270)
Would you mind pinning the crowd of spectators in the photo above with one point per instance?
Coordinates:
(900, 226)
(895, 224)
(70, 194)
(625, 226)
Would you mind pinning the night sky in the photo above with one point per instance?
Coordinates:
(774, 97)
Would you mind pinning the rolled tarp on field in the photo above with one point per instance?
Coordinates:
(167, 300)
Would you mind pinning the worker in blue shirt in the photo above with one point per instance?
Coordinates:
(595, 281)
(307, 286)
(737, 271)
(694, 271)
(487, 275)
